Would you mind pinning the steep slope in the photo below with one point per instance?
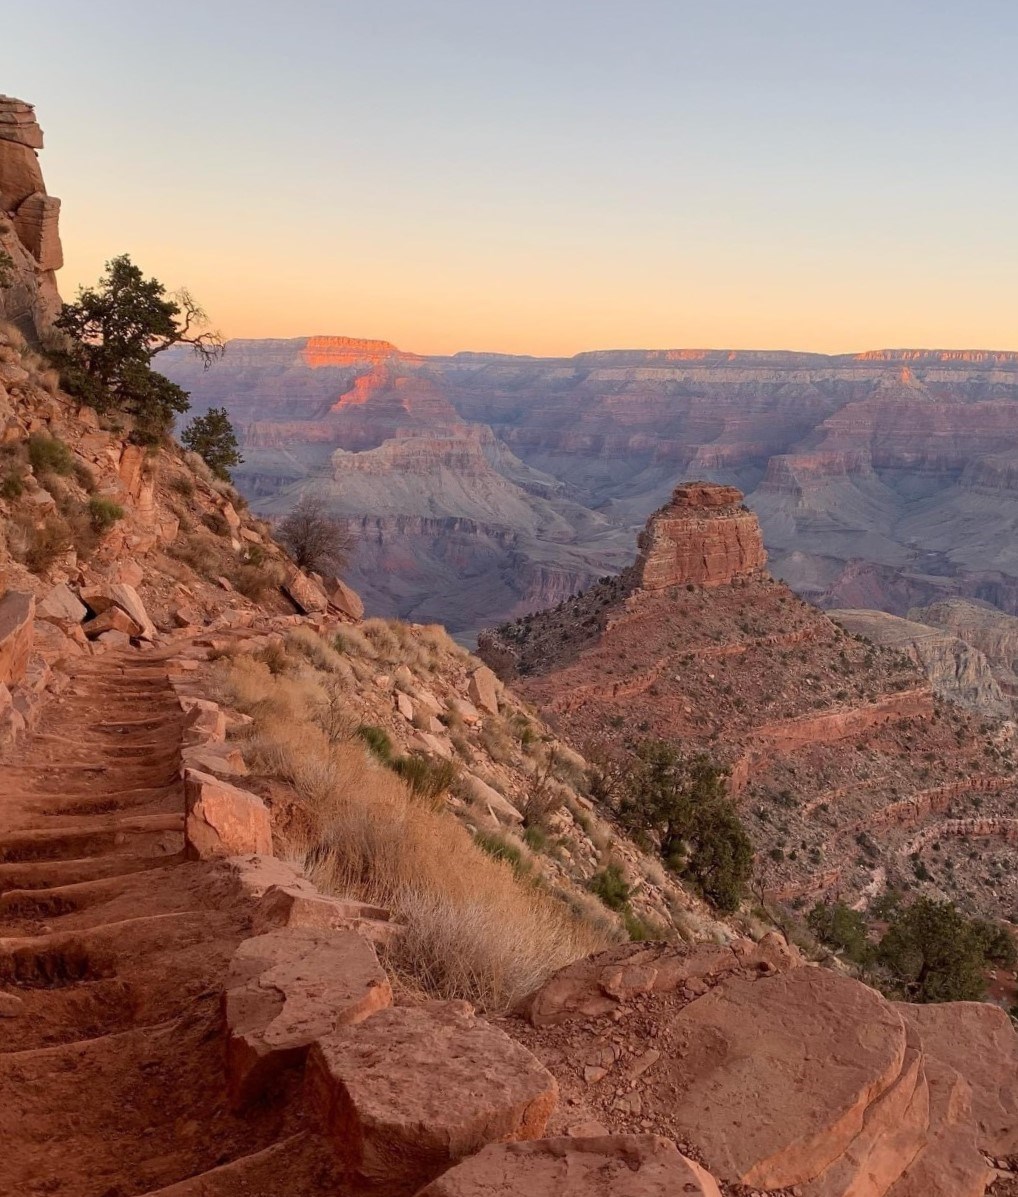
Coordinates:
(849, 774)
(959, 671)
(881, 480)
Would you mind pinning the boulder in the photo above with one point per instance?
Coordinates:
(415, 1089)
(483, 690)
(343, 599)
(61, 605)
(501, 809)
(287, 988)
(595, 985)
(300, 905)
(204, 721)
(977, 1041)
(114, 639)
(120, 594)
(774, 1079)
(306, 593)
(113, 619)
(608, 1166)
(214, 758)
(17, 612)
(222, 820)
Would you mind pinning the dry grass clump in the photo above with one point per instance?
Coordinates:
(351, 640)
(473, 929)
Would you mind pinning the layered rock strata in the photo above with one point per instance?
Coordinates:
(29, 235)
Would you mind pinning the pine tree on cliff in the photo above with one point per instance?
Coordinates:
(212, 437)
(115, 329)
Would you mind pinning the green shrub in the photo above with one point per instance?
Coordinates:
(428, 780)
(611, 887)
(842, 929)
(502, 849)
(103, 513)
(49, 455)
(536, 838)
(377, 739)
(13, 485)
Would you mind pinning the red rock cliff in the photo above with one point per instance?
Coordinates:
(703, 535)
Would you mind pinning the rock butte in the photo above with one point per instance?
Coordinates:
(699, 645)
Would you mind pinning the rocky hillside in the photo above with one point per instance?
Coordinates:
(850, 774)
(881, 480)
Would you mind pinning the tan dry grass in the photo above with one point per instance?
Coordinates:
(473, 930)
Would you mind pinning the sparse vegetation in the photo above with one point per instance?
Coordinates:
(213, 438)
(116, 329)
(103, 513)
(474, 929)
(49, 455)
(314, 539)
(682, 803)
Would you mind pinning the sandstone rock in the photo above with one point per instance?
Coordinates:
(487, 796)
(130, 573)
(306, 594)
(483, 689)
(612, 1166)
(18, 123)
(36, 222)
(113, 619)
(346, 601)
(222, 820)
(11, 1005)
(773, 1079)
(204, 721)
(977, 1041)
(231, 516)
(17, 611)
(404, 706)
(287, 988)
(466, 711)
(61, 605)
(214, 758)
(20, 175)
(185, 616)
(114, 639)
(298, 904)
(594, 985)
(415, 1089)
(703, 536)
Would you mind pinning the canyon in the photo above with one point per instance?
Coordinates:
(884, 480)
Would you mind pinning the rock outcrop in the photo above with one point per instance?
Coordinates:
(30, 251)
(705, 536)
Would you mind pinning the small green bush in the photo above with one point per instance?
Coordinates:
(377, 739)
(12, 486)
(428, 780)
(502, 849)
(611, 887)
(49, 455)
(103, 513)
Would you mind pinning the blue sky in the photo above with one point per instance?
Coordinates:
(543, 177)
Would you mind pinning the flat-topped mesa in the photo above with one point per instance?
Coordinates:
(705, 536)
(29, 240)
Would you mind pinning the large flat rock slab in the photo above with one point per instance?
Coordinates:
(611, 1166)
(416, 1089)
(978, 1041)
(287, 988)
(223, 820)
(772, 1078)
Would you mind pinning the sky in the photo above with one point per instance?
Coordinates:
(542, 176)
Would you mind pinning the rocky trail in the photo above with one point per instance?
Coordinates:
(112, 951)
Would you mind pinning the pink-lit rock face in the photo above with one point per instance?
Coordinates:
(31, 239)
(704, 536)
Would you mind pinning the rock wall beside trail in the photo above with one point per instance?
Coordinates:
(30, 251)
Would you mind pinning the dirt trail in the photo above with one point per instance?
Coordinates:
(112, 947)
